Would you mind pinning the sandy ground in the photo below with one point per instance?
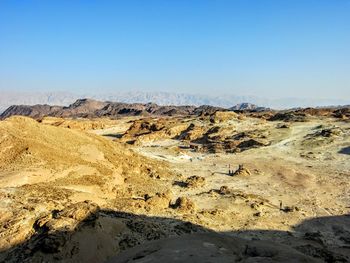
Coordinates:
(309, 175)
(293, 189)
(316, 180)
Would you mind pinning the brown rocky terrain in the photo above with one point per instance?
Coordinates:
(89, 108)
(214, 186)
(95, 109)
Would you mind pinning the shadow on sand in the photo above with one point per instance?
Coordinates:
(93, 235)
(113, 135)
(345, 150)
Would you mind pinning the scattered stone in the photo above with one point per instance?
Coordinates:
(241, 171)
(289, 209)
(195, 181)
(150, 230)
(212, 212)
(224, 190)
(185, 204)
(330, 132)
(254, 205)
(159, 201)
(128, 241)
(258, 214)
(283, 126)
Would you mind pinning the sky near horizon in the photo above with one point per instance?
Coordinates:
(275, 49)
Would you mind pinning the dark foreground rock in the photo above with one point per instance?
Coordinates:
(210, 247)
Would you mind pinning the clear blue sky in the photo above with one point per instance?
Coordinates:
(297, 48)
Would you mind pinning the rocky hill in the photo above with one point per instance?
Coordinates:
(44, 168)
(35, 111)
(93, 108)
(135, 109)
(247, 107)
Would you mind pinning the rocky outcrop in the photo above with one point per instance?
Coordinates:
(247, 107)
(136, 109)
(70, 219)
(221, 116)
(195, 181)
(289, 117)
(241, 171)
(343, 113)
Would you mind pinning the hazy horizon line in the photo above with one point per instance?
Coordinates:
(203, 94)
(65, 98)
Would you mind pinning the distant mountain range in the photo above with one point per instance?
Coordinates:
(93, 108)
(8, 98)
(90, 108)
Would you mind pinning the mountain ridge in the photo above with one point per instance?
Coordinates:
(62, 98)
(94, 108)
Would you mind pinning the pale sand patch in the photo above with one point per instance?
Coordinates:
(91, 153)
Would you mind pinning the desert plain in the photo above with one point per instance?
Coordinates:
(218, 186)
